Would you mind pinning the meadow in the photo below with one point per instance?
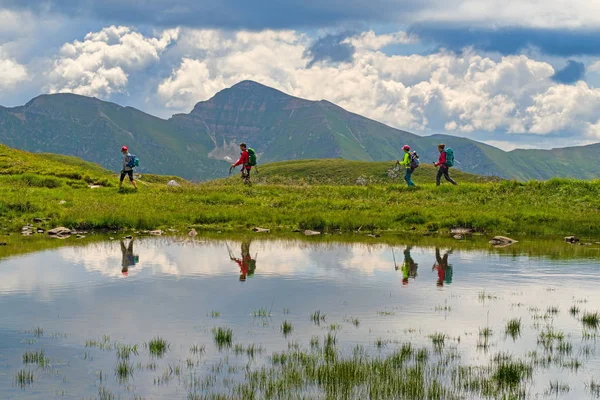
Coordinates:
(56, 189)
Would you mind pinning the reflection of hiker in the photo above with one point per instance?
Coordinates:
(409, 267)
(444, 270)
(409, 164)
(445, 161)
(247, 263)
(128, 164)
(247, 161)
(128, 258)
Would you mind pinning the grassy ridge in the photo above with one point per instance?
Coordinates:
(58, 190)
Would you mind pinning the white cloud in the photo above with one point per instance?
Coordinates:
(426, 93)
(12, 72)
(100, 64)
(371, 41)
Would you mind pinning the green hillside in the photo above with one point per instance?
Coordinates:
(201, 144)
(344, 172)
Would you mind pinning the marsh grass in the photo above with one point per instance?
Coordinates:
(262, 313)
(215, 314)
(286, 328)
(574, 310)
(513, 328)
(24, 378)
(35, 357)
(157, 347)
(124, 351)
(223, 337)
(354, 321)
(591, 320)
(593, 387)
(105, 394)
(317, 317)
(196, 349)
(438, 340)
(124, 371)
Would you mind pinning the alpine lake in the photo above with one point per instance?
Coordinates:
(328, 317)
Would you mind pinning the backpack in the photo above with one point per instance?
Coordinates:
(133, 161)
(449, 157)
(251, 157)
(414, 160)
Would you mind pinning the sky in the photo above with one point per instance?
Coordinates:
(510, 73)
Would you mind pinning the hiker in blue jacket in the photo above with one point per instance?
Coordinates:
(127, 169)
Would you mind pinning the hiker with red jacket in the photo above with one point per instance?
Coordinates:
(244, 161)
(444, 163)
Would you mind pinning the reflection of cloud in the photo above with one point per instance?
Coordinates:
(82, 266)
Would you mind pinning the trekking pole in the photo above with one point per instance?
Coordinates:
(231, 169)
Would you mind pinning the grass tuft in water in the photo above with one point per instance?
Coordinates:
(353, 321)
(158, 347)
(438, 340)
(317, 317)
(557, 389)
(593, 387)
(513, 328)
(553, 310)
(124, 351)
(286, 328)
(105, 394)
(24, 378)
(197, 349)
(574, 310)
(262, 313)
(223, 337)
(35, 357)
(215, 314)
(591, 320)
(123, 371)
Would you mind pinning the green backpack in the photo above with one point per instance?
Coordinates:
(251, 157)
(449, 157)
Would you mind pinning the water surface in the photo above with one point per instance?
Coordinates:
(375, 295)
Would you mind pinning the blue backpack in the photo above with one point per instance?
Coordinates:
(133, 161)
(414, 160)
(449, 157)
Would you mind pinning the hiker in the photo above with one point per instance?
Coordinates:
(128, 258)
(409, 267)
(245, 162)
(127, 167)
(408, 163)
(445, 161)
(444, 270)
(247, 264)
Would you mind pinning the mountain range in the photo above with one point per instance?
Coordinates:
(201, 144)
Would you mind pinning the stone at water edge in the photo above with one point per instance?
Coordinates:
(459, 237)
(502, 241)
(461, 231)
(261, 230)
(157, 232)
(192, 233)
(571, 239)
(60, 230)
(311, 233)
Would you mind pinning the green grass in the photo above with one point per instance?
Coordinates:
(37, 186)
(513, 328)
(157, 347)
(125, 351)
(286, 328)
(124, 371)
(591, 320)
(223, 337)
(35, 357)
(24, 378)
(317, 317)
(574, 310)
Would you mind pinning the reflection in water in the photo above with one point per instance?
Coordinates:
(128, 258)
(444, 270)
(246, 263)
(185, 287)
